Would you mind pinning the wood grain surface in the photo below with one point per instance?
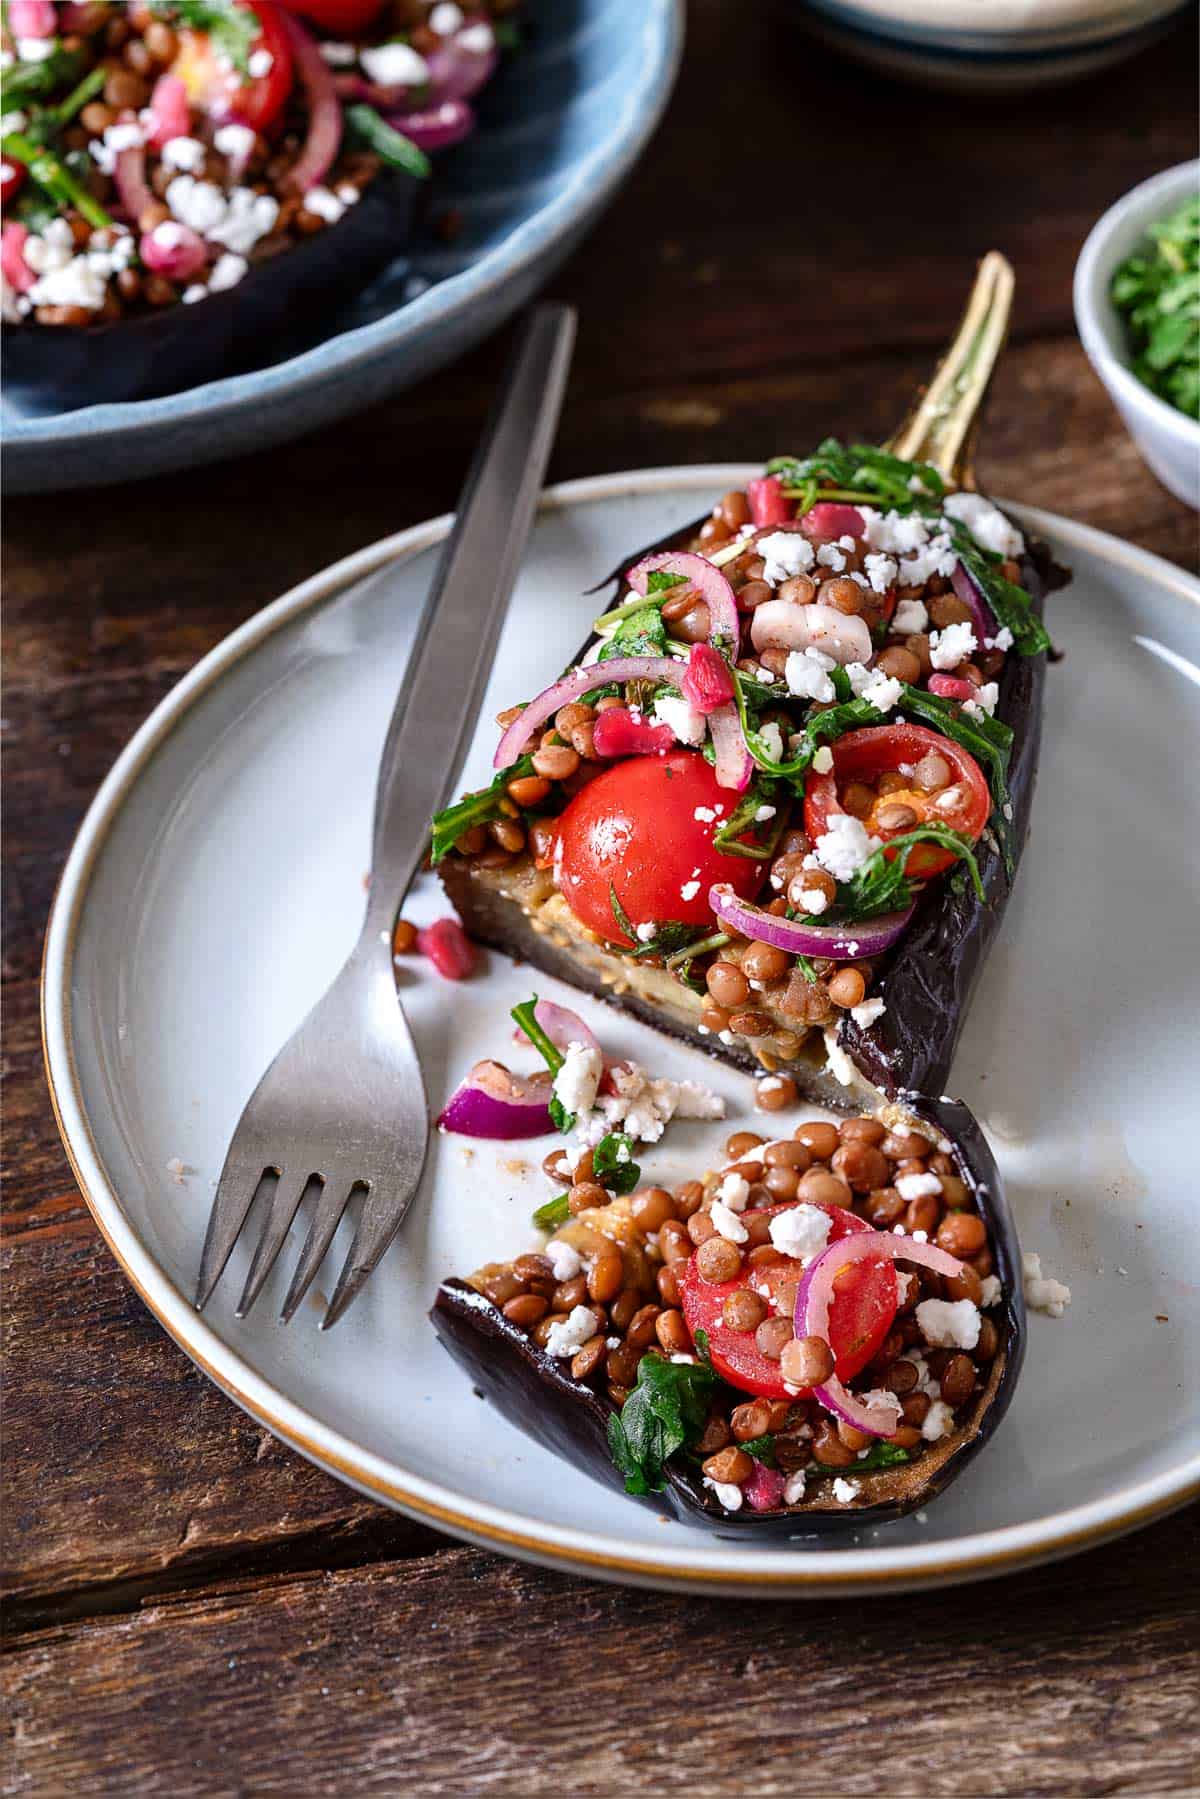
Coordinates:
(189, 1607)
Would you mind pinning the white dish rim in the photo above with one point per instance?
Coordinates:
(702, 1567)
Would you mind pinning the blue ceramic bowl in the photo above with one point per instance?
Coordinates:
(560, 127)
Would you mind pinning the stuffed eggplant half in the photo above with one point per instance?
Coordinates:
(191, 187)
(777, 806)
(823, 1332)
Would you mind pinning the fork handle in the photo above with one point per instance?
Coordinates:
(447, 673)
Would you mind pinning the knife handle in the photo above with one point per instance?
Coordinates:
(455, 643)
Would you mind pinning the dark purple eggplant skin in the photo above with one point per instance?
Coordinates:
(536, 1393)
(275, 310)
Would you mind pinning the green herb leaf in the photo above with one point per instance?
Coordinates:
(881, 885)
(988, 739)
(453, 822)
(232, 30)
(744, 817)
(880, 1455)
(553, 1213)
(701, 1342)
(659, 581)
(761, 1448)
(621, 916)
(665, 1411)
(26, 82)
(613, 1164)
(807, 970)
(1010, 603)
(54, 177)
(551, 1055)
(398, 151)
(1158, 295)
(641, 633)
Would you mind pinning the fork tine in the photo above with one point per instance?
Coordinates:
(328, 1215)
(285, 1203)
(236, 1188)
(380, 1220)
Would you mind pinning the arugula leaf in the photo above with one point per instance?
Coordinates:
(821, 727)
(659, 581)
(621, 915)
(761, 1448)
(988, 739)
(1010, 603)
(1158, 295)
(665, 1411)
(232, 30)
(552, 1056)
(553, 1213)
(880, 1455)
(672, 938)
(881, 885)
(744, 815)
(807, 970)
(837, 471)
(453, 822)
(640, 633)
(613, 1164)
(717, 940)
(53, 177)
(701, 1341)
(399, 152)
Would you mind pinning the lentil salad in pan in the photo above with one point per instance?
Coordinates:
(161, 153)
(775, 808)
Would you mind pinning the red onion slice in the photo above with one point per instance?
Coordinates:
(129, 173)
(572, 687)
(561, 1025)
(734, 767)
(764, 1489)
(971, 594)
(815, 1295)
(324, 109)
(435, 127)
(457, 72)
(169, 114)
(495, 1103)
(798, 937)
(708, 581)
(13, 265)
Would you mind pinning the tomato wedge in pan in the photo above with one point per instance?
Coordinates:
(862, 757)
(219, 89)
(859, 1318)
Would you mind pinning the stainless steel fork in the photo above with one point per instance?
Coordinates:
(342, 1108)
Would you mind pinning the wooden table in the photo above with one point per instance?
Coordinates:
(192, 1609)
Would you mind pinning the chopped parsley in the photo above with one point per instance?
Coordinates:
(1157, 293)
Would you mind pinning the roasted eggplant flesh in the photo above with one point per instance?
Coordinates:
(569, 1407)
(279, 309)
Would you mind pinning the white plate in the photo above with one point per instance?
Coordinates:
(217, 882)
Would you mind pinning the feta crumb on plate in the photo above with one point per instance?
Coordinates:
(1042, 1292)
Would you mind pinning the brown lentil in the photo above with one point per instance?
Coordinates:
(744, 1310)
(806, 1362)
(729, 1467)
(772, 1337)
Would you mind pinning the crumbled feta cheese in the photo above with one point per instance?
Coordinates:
(348, 194)
(845, 1490)
(897, 533)
(916, 1186)
(646, 933)
(1003, 640)
(801, 1231)
(829, 556)
(704, 815)
(986, 523)
(237, 219)
(395, 65)
(72, 283)
(200, 204)
(882, 691)
(845, 847)
(565, 1260)
(949, 647)
(837, 1062)
(727, 1224)
(576, 1082)
(643, 1107)
(938, 557)
(807, 675)
(478, 39)
(446, 18)
(688, 891)
(793, 1492)
(784, 553)
(339, 56)
(571, 1333)
(196, 291)
(234, 140)
(727, 1494)
(939, 1422)
(992, 1291)
(35, 49)
(734, 1191)
(688, 725)
(771, 741)
(910, 617)
(864, 1015)
(881, 570)
(984, 700)
(227, 271)
(763, 814)
(323, 204)
(823, 760)
(949, 1323)
(810, 900)
(184, 153)
(1042, 1293)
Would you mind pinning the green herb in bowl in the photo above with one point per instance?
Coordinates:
(1157, 294)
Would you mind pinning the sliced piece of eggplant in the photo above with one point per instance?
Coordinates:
(536, 1392)
(276, 310)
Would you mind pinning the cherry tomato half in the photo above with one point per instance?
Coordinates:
(863, 756)
(214, 87)
(634, 831)
(341, 18)
(859, 1318)
(12, 181)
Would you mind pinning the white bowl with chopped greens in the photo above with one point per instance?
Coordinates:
(1153, 334)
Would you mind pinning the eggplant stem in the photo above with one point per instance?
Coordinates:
(942, 426)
